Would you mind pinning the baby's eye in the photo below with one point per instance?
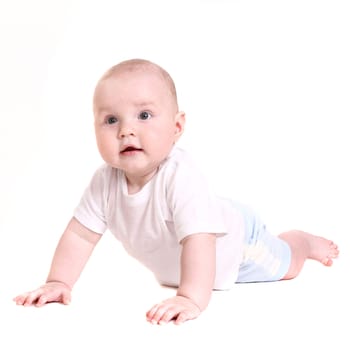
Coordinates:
(111, 119)
(145, 116)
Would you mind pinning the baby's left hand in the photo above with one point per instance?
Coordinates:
(178, 308)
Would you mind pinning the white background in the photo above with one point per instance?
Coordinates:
(265, 86)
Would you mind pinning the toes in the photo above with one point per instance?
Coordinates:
(334, 255)
(334, 246)
(334, 250)
(327, 261)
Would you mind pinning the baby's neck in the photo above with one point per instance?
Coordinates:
(136, 183)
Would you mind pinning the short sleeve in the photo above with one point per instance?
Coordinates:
(90, 212)
(194, 208)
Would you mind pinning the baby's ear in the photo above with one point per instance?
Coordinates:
(180, 120)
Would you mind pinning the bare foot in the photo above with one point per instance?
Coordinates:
(321, 249)
(307, 246)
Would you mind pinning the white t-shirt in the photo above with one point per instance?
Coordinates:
(150, 224)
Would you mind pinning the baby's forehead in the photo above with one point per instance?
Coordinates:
(135, 84)
(149, 84)
(133, 68)
(134, 73)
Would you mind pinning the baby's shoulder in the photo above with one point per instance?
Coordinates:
(179, 158)
(181, 167)
(104, 171)
(104, 174)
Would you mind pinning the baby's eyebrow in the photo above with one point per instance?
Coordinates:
(102, 111)
(144, 104)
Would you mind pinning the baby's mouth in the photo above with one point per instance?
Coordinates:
(130, 149)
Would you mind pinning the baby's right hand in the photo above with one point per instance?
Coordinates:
(48, 293)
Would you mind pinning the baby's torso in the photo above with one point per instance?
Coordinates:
(147, 224)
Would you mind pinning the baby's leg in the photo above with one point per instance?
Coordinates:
(304, 246)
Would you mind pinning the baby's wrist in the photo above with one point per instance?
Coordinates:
(49, 281)
(191, 300)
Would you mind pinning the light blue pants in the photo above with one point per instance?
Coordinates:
(266, 257)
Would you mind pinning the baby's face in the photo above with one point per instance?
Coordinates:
(136, 121)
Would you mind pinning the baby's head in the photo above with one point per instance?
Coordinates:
(137, 120)
(140, 66)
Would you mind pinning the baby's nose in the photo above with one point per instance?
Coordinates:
(126, 129)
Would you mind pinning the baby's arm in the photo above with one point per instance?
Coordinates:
(71, 255)
(196, 284)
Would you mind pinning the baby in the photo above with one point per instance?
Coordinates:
(153, 198)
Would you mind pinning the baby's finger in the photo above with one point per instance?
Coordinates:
(33, 297)
(168, 316)
(66, 298)
(20, 299)
(158, 314)
(41, 301)
(48, 296)
(151, 312)
(182, 317)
